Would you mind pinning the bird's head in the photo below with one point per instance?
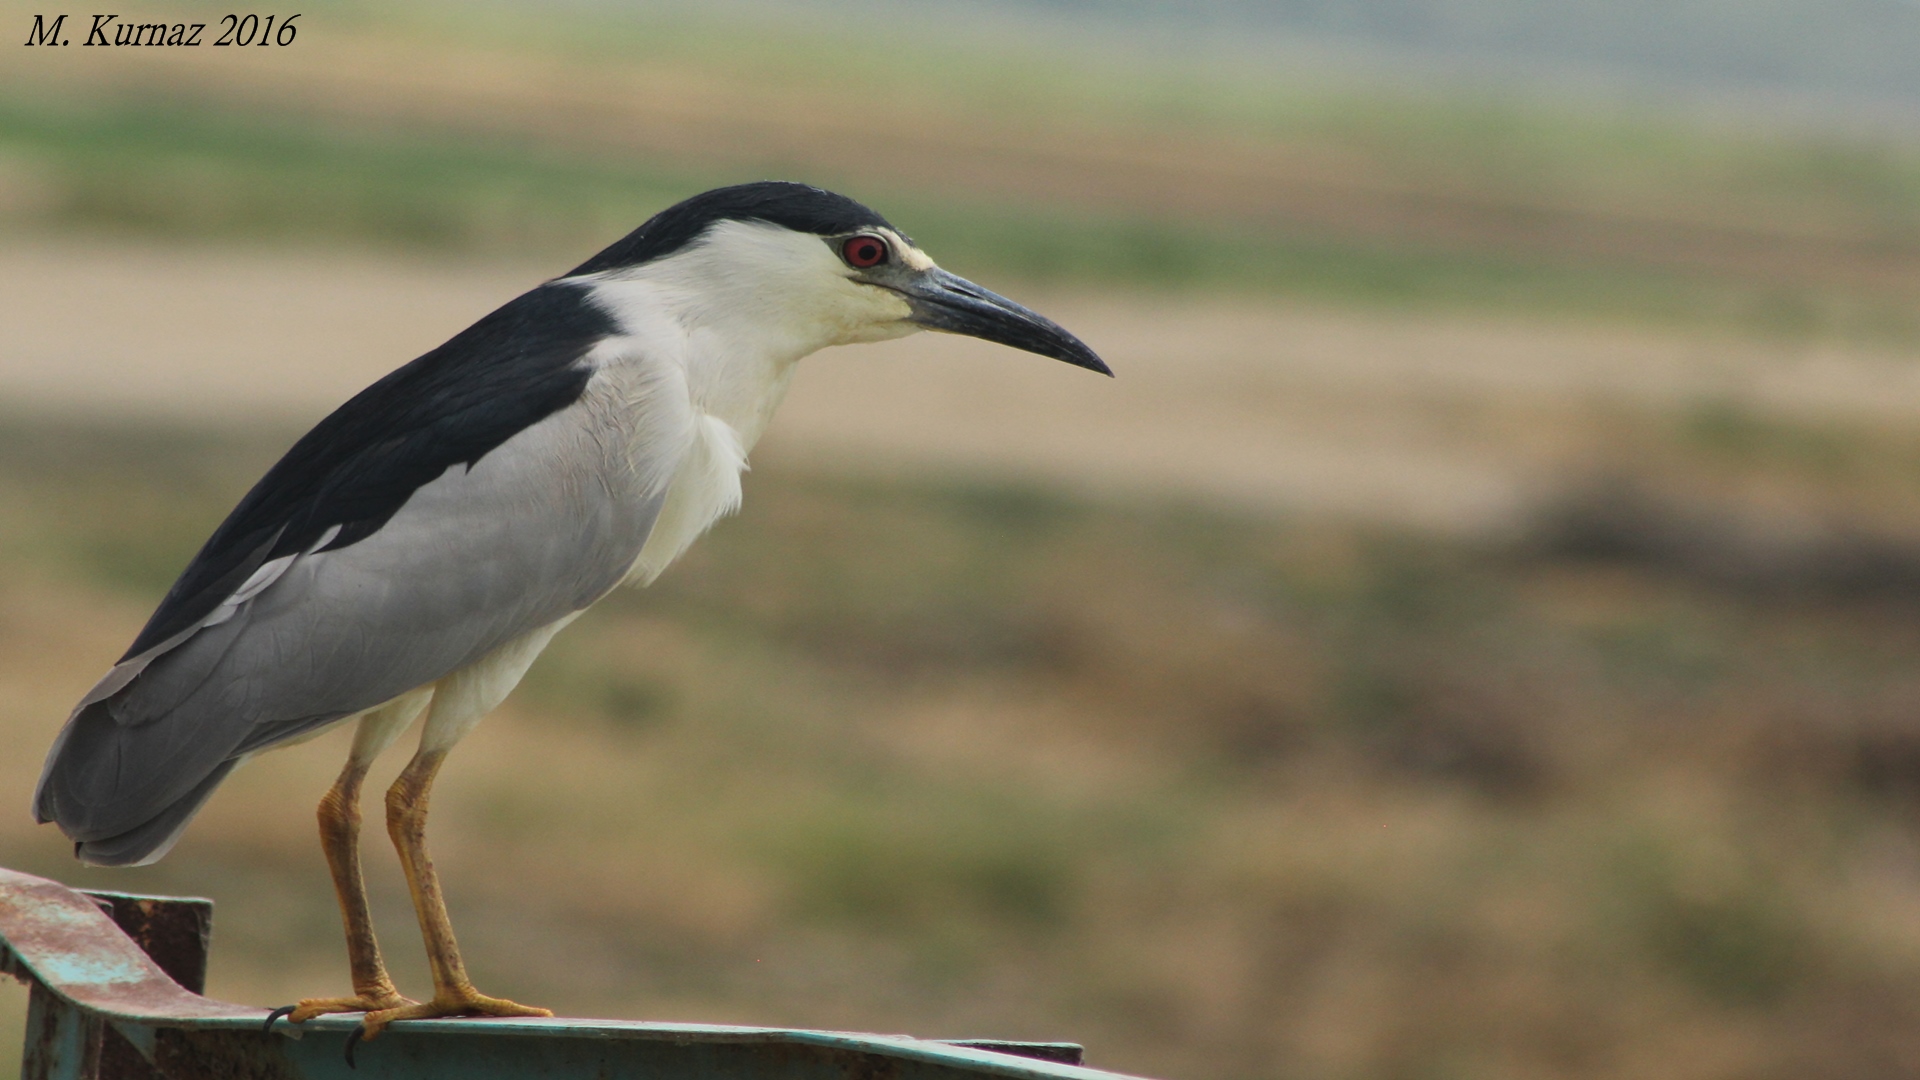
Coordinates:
(811, 268)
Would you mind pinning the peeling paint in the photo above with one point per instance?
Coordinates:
(104, 1009)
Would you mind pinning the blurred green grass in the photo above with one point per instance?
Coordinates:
(183, 172)
(1194, 787)
(1631, 792)
(1442, 196)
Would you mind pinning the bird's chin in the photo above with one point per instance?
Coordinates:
(882, 331)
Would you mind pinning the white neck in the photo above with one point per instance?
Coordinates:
(710, 336)
(739, 306)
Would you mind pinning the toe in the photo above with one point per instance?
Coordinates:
(459, 1003)
(372, 1024)
(377, 1020)
(365, 1003)
(483, 1005)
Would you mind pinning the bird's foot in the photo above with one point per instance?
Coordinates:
(453, 1001)
(369, 1003)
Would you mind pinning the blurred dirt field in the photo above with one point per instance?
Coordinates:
(1436, 420)
(1474, 637)
(986, 116)
(1337, 693)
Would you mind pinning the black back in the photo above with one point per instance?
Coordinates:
(800, 207)
(357, 467)
(452, 406)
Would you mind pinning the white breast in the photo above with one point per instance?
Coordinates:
(705, 488)
(693, 398)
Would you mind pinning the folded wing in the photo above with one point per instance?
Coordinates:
(462, 501)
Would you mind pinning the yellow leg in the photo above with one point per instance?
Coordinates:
(340, 838)
(453, 992)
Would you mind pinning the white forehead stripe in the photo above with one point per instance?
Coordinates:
(908, 254)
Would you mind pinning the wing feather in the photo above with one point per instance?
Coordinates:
(447, 509)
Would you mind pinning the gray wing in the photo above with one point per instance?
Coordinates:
(538, 528)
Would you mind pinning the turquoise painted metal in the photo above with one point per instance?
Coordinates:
(104, 1008)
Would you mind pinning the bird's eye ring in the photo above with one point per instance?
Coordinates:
(864, 252)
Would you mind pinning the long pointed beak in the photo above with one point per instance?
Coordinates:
(950, 303)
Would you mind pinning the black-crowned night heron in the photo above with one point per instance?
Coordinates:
(414, 552)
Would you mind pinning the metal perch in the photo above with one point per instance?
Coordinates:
(115, 996)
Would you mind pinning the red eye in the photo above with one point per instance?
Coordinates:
(862, 252)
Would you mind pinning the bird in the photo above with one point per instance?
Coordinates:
(413, 553)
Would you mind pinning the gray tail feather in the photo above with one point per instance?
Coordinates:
(153, 838)
(125, 792)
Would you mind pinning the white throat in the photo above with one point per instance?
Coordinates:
(709, 339)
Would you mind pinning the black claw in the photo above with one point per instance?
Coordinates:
(353, 1039)
(284, 1010)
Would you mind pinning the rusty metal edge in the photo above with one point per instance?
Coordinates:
(137, 1006)
(979, 1059)
(45, 927)
(974, 1059)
